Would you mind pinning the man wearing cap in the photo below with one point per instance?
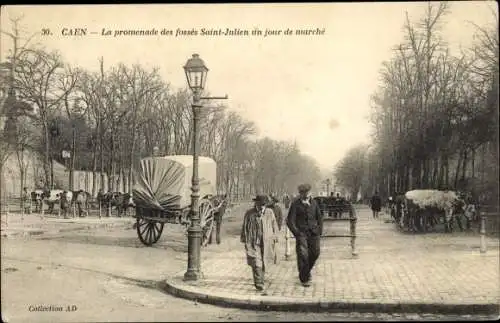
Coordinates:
(305, 221)
(259, 234)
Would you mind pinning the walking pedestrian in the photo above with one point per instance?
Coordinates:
(376, 204)
(64, 204)
(278, 213)
(259, 234)
(81, 201)
(286, 201)
(26, 201)
(305, 221)
(222, 204)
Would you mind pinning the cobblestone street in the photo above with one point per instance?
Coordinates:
(392, 268)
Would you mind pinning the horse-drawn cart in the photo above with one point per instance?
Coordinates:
(333, 207)
(162, 194)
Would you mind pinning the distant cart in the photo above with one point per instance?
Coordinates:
(162, 194)
(333, 206)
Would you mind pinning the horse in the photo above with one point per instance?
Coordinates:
(121, 201)
(36, 199)
(52, 197)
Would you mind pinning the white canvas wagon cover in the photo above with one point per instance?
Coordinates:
(165, 182)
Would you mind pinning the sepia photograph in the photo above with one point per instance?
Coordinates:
(250, 162)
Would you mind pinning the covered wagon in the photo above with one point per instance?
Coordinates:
(423, 209)
(162, 194)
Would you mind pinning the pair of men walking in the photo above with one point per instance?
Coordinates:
(260, 234)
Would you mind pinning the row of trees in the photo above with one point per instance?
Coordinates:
(435, 115)
(112, 117)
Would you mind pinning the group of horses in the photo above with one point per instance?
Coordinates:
(81, 199)
(447, 207)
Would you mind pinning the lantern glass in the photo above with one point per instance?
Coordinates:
(196, 73)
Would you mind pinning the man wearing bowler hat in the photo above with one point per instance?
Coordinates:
(305, 221)
(259, 234)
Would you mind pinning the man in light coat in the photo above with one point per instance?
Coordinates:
(260, 235)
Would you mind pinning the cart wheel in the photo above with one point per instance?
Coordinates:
(149, 231)
(206, 220)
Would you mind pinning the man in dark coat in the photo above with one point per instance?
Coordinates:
(64, 204)
(376, 204)
(305, 221)
(221, 202)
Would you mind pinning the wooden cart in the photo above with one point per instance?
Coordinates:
(332, 207)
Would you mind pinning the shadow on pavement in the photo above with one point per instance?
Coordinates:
(177, 245)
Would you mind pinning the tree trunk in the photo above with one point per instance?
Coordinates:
(447, 172)
(121, 172)
(425, 174)
(1, 186)
(406, 178)
(72, 162)
(473, 163)
(20, 160)
(111, 170)
(94, 169)
(464, 165)
(435, 168)
(131, 162)
(47, 163)
(101, 157)
(21, 173)
(238, 182)
(483, 166)
(457, 171)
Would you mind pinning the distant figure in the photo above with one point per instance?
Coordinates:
(259, 234)
(376, 204)
(81, 200)
(278, 213)
(222, 205)
(305, 221)
(330, 202)
(390, 208)
(100, 198)
(26, 201)
(286, 201)
(64, 204)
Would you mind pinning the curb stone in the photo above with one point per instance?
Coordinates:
(275, 303)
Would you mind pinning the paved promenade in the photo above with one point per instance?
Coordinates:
(394, 272)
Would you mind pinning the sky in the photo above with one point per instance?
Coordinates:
(312, 89)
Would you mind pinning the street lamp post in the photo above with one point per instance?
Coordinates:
(196, 74)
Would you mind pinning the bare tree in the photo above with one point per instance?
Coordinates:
(37, 74)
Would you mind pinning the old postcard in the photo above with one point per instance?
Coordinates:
(246, 162)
